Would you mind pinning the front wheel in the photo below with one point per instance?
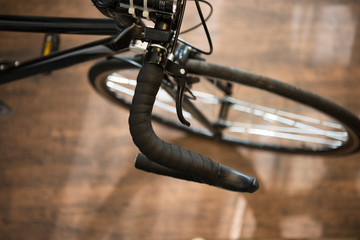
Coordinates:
(239, 107)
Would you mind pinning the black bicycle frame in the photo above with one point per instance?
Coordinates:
(66, 58)
(109, 46)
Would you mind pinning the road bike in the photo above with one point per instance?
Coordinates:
(167, 79)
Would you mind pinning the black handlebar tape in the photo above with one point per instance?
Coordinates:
(143, 163)
(171, 156)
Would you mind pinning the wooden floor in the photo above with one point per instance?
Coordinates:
(66, 157)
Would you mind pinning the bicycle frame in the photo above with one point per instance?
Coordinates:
(65, 58)
(109, 46)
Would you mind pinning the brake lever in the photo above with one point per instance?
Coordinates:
(179, 73)
(179, 100)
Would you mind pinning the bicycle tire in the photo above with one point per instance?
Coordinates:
(344, 141)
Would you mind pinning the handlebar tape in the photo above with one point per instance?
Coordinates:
(199, 168)
(143, 163)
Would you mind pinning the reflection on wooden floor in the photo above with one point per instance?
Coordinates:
(66, 155)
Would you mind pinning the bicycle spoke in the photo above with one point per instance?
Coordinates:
(117, 78)
(258, 110)
(162, 99)
(289, 136)
(280, 123)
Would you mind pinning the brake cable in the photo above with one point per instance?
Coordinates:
(203, 23)
(206, 19)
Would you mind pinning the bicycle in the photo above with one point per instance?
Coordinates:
(175, 71)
